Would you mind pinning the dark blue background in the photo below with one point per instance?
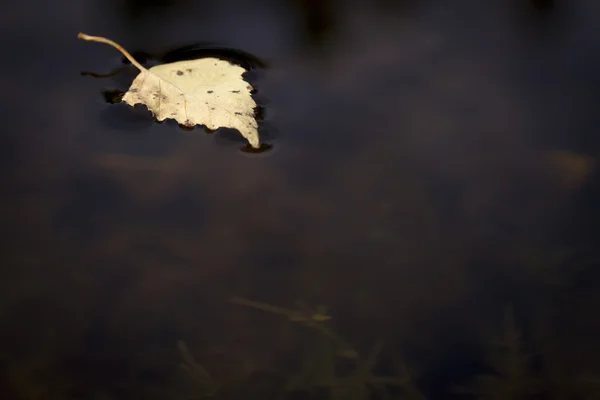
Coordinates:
(433, 163)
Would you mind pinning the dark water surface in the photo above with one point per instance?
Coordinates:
(433, 182)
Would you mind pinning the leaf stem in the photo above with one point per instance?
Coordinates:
(117, 46)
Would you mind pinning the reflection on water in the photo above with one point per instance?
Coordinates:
(424, 227)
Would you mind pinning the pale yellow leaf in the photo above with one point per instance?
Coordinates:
(206, 91)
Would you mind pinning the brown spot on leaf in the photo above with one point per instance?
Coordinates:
(235, 91)
(179, 73)
(209, 91)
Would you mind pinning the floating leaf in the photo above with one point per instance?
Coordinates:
(206, 91)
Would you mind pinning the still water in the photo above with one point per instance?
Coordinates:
(424, 226)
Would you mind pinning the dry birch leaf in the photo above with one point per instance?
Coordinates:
(206, 91)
